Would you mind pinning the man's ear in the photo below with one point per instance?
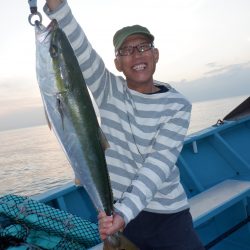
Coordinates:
(118, 64)
(156, 55)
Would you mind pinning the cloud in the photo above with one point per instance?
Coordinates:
(18, 88)
(219, 82)
(25, 117)
(226, 69)
(211, 64)
(222, 82)
(20, 104)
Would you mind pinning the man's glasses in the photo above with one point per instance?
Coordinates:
(129, 50)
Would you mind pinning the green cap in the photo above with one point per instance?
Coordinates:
(121, 35)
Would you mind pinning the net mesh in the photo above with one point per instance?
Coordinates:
(39, 224)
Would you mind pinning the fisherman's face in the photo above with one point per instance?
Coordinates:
(138, 67)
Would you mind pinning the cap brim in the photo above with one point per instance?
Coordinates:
(118, 45)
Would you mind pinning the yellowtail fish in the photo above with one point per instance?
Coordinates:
(72, 117)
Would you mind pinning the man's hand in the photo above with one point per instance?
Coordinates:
(53, 4)
(109, 225)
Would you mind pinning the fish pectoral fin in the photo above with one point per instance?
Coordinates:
(59, 106)
(103, 139)
(47, 119)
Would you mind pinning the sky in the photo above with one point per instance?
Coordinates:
(204, 47)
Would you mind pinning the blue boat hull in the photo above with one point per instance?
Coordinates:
(215, 172)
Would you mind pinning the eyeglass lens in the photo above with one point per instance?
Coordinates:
(129, 50)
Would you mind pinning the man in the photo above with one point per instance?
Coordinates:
(145, 122)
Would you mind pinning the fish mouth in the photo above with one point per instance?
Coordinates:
(42, 32)
(139, 67)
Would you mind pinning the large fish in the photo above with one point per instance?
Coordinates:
(71, 115)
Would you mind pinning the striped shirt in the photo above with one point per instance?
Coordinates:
(145, 132)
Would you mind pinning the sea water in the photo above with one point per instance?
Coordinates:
(32, 161)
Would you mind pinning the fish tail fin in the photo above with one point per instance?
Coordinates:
(118, 241)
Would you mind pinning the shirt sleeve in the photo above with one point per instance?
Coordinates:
(95, 74)
(158, 168)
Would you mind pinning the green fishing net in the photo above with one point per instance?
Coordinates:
(34, 225)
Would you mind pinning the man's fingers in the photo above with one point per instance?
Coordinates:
(101, 214)
(105, 225)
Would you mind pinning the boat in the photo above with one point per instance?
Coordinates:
(214, 168)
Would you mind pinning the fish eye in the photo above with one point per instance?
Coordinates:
(53, 51)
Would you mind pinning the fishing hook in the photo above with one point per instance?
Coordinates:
(39, 20)
(34, 12)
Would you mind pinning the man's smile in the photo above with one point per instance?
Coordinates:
(139, 67)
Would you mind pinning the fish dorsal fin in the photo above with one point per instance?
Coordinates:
(103, 139)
